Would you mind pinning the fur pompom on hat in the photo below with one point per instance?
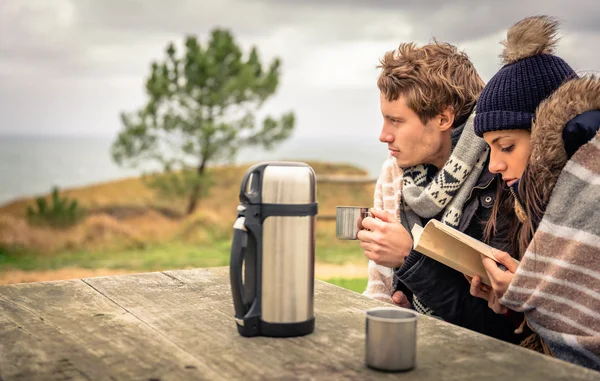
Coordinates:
(530, 37)
(531, 72)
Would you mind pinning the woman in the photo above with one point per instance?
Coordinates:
(541, 122)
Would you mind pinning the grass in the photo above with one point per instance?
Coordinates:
(354, 284)
(171, 255)
(332, 250)
(129, 227)
(152, 258)
(159, 258)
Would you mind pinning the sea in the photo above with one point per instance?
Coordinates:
(32, 165)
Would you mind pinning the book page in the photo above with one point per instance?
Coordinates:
(416, 233)
(445, 248)
(482, 247)
(453, 248)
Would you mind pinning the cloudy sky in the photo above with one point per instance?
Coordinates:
(70, 66)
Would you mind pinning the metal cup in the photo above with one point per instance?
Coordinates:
(348, 221)
(391, 339)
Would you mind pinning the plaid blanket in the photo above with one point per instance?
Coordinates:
(557, 284)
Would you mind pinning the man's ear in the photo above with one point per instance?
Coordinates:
(447, 118)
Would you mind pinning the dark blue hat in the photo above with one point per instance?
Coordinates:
(531, 74)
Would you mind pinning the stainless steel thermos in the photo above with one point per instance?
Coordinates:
(273, 251)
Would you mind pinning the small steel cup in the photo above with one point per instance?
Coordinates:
(348, 221)
(391, 339)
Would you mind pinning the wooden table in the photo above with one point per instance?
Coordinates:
(178, 325)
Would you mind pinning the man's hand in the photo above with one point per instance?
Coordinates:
(400, 299)
(499, 278)
(483, 291)
(385, 241)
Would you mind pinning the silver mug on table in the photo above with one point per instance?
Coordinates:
(348, 221)
(391, 339)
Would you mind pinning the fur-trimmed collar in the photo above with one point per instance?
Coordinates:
(548, 155)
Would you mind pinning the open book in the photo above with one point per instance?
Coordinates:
(452, 248)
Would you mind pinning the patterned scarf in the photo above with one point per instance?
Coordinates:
(449, 188)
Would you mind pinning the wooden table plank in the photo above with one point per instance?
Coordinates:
(67, 330)
(186, 318)
(194, 309)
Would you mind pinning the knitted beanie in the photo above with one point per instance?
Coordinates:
(530, 74)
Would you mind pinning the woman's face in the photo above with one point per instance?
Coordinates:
(509, 153)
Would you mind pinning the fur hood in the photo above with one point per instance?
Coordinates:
(548, 155)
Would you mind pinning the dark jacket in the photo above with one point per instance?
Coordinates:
(445, 290)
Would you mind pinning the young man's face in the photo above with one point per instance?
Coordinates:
(409, 140)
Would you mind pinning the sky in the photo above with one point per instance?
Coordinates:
(69, 67)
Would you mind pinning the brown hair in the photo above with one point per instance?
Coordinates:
(431, 77)
(534, 205)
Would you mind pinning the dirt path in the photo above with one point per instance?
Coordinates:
(18, 276)
(350, 270)
(322, 270)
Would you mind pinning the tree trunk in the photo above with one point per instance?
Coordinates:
(193, 201)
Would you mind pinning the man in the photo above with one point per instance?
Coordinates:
(437, 168)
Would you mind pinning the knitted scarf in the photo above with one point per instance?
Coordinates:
(450, 188)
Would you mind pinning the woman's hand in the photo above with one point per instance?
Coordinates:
(500, 278)
(400, 299)
(483, 291)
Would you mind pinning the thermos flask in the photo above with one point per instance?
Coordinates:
(273, 251)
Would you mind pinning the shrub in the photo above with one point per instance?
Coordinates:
(59, 212)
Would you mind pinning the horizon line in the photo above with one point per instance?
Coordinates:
(53, 135)
(105, 135)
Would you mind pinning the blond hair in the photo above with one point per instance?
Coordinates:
(431, 78)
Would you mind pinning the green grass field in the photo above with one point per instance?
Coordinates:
(156, 257)
(130, 228)
(163, 257)
(354, 284)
